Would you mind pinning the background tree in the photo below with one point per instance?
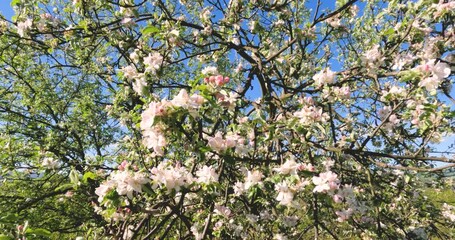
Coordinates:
(216, 119)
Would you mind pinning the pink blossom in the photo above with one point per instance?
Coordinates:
(154, 109)
(239, 188)
(127, 182)
(130, 72)
(307, 167)
(217, 81)
(217, 142)
(50, 163)
(222, 211)
(402, 60)
(103, 189)
(384, 112)
(344, 214)
(211, 70)
(372, 58)
(238, 68)
(196, 101)
(252, 178)
(442, 8)
(124, 165)
(448, 211)
(153, 62)
(395, 92)
(285, 195)
(128, 21)
(334, 21)
(207, 175)
(288, 167)
(434, 73)
(393, 119)
(135, 55)
(325, 182)
(310, 114)
(154, 138)
(181, 100)
(23, 27)
(227, 99)
(325, 76)
(337, 198)
(343, 92)
(139, 84)
(173, 178)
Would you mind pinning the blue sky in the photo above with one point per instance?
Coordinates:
(5, 9)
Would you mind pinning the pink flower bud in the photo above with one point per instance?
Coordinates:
(226, 80)
(337, 198)
(123, 165)
(311, 168)
(212, 79)
(309, 100)
(219, 80)
(206, 80)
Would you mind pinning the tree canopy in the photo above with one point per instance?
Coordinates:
(280, 119)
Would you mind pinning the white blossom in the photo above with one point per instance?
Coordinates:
(50, 163)
(325, 76)
(207, 175)
(23, 27)
(153, 62)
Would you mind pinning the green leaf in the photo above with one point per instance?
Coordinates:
(38, 232)
(409, 75)
(407, 178)
(147, 189)
(5, 237)
(15, 2)
(150, 30)
(74, 176)
(388, 32)
(8, 218)
(65, 186)
(88, 175)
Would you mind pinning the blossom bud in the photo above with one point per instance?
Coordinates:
(219, 80)
(20, 228)
(337, 198)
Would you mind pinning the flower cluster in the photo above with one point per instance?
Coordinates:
(326, 181)
(373, 58)
(50, 163)
(124, 182)
(171, 177)
(153, 132)
(309, 113)
(24, 27)
(433, 73)
(220, 144)
(324, 77)
(218, 80)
